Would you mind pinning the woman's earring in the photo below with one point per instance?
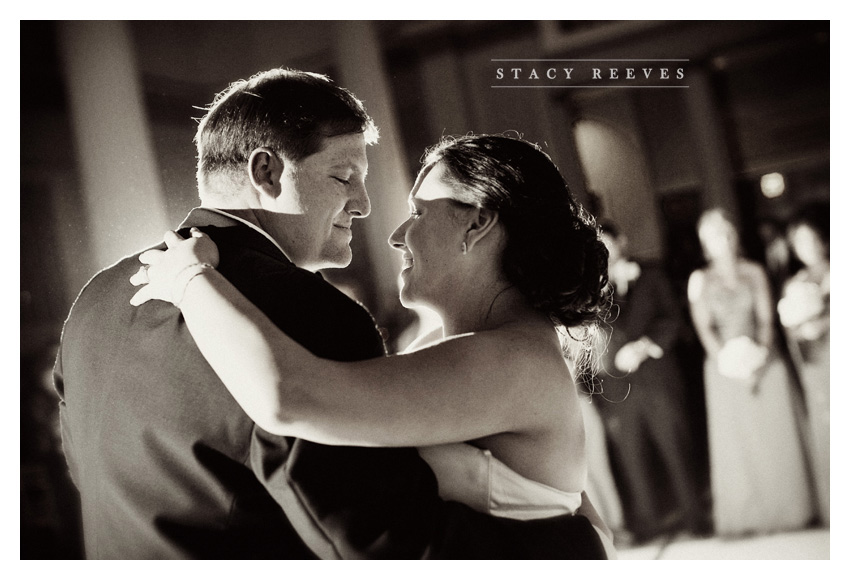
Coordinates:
(463, 248)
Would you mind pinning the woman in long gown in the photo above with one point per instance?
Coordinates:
(804, 313)
(759, 481)
(497, 246)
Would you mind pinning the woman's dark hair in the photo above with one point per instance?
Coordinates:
(553, 253)
(814, 215)
(288, 111)
(610, 228)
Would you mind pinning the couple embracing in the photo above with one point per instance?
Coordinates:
(224, 401)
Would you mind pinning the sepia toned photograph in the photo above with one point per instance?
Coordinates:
(425, 289)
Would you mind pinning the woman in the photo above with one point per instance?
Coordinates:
(496, 245)
(804, 313)
(758, 477)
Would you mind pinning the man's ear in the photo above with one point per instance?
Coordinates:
(265, 169)
(482, 223)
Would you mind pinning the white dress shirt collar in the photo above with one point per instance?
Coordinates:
(252, 226)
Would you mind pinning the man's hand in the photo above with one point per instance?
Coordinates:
(629, 358)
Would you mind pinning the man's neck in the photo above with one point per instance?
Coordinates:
(250, 216)
(246, 214)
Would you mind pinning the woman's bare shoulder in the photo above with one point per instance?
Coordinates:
(696, 284)
(532, 341)
(525, 353)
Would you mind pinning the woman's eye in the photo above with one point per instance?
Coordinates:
(343, 181)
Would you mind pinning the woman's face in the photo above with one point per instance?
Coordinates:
(430, 240)
(807, 245)
(719, 239)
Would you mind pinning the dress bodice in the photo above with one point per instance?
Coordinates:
(474, 477)
(732, 309)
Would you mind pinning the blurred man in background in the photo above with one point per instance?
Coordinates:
(642, 402)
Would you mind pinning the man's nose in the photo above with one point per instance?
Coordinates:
(359, 205)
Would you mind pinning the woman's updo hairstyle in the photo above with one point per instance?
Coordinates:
(553, 254)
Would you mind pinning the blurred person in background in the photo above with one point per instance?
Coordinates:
(758, 473)
(777, 253)
(498, 247)
(804, 314)
(642, 399)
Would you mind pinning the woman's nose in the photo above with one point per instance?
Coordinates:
(396, 239)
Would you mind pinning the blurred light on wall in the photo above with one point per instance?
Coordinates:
(772, 185)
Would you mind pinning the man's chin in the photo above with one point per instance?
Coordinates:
(339, 260)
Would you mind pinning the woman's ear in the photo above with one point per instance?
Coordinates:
(482, 223)
(265, 169)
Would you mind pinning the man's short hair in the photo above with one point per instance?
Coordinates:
(289, 111)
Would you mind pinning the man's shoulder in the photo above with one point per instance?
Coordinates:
(302, 303)
(113, 280)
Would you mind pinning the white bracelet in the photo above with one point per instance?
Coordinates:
(185, 276)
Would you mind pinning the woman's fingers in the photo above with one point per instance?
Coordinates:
(140, 277)
(160, 268)
(151, 256)
(172, 238)
(142, 296)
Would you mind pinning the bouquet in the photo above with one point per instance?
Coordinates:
(741, 357)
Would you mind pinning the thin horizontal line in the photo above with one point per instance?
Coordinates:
(589, 86)
(590, 60)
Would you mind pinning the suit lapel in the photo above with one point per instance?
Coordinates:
(201, 217)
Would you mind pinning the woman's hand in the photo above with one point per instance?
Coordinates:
(166, 273)
(741, 358)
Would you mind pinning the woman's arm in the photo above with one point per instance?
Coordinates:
(763, 305)
(701, 315)
(462, 389)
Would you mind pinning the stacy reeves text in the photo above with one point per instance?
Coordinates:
(590, 74)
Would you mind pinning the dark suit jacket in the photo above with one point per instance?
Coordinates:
(649, 308)
(169, 466)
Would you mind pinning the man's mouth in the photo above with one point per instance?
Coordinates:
(407, 264)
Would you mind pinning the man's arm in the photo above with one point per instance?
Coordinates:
(356, 503)
(64, 427)
(663, 320)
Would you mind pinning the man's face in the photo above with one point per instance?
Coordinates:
(320, 197)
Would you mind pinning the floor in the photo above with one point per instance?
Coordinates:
(810, 544)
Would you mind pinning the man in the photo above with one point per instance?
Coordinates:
(642, 404)
(167, 464)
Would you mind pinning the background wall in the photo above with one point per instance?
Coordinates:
(107, 159)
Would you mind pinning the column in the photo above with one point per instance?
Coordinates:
(361, 70)
(716, 173)
(123, 198)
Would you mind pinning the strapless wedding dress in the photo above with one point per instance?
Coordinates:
(474, 477)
